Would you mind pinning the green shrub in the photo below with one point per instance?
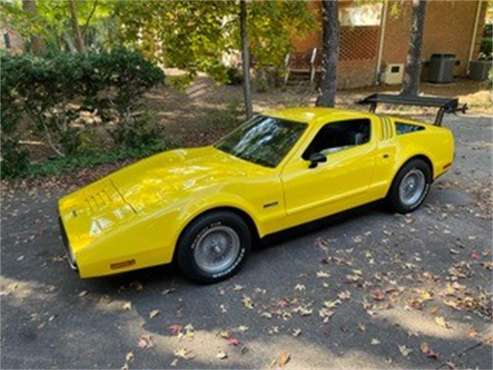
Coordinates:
(486, 47)
(67, 99)
(234, 76)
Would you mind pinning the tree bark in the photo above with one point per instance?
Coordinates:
(79, 41)
(37, 44)
(245, 60)
(330, 49)
(412, 71)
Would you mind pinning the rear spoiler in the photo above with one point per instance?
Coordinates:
(444, 105)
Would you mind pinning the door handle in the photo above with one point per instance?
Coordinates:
(385, 155)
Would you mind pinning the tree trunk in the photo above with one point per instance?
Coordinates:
(412, 72)
(79, 41)
(330, 49)
(37, 44)
(245, 60)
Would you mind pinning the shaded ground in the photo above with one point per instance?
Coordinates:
(365, 289)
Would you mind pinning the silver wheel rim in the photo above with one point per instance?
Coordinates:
(412, 187)
(217, 249)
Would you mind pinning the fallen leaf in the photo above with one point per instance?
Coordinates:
(378, 294)
(145, 342)
(303, 310)
(247, 302)
(296, 332)
(221, 355)
(129, 357)
(375, 341)
(189, 331)
(233, 341)
(184, 353)
(153, 314)
(224, 334)
(323, 274)
(242, 328)
(175, 329)
(283, 359)
(266, 314)
(168, 291)
(331, 304)
(441, 322)
(427, 351)
(345, 295)
(404, 350)
(325, 314)
(299, 287)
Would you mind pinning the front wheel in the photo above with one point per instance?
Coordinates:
(410, 186)
(213, 247)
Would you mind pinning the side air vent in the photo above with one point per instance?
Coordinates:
(387, 131)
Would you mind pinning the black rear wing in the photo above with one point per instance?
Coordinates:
(444, 105)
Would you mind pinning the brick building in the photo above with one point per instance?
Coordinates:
(375, 38)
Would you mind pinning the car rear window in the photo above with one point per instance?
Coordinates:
(402, 128)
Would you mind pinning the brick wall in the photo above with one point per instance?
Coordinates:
(448, 29)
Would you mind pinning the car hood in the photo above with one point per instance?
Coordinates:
(172, 175)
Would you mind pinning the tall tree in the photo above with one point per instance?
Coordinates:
(330, 49)
(412, 71)
(245, 58)
(79, 40)
(37, 44)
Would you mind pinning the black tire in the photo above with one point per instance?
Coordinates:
(185, 253)
(394, 200)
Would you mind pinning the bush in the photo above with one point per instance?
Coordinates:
(486, 47)
(68, 100)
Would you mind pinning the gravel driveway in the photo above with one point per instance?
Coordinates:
(363, 289)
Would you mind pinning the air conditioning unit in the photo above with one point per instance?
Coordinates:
(393, 74)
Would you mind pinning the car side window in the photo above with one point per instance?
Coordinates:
(337, 136)
(405, 128)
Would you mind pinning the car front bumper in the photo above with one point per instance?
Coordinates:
(66, 245)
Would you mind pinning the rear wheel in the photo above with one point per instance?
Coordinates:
(410, 186)
(213, 247)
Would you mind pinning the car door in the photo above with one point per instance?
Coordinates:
(339, 183)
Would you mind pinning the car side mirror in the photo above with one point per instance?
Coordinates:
(315, 159)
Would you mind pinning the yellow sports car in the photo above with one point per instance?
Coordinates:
(203, 207)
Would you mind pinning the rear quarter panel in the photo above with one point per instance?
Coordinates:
(436, 143)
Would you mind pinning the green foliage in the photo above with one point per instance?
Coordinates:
(137, 130)
(272, 25)
(190, 35)
(234, 76)
(486, 47)
(225, 119)
(52, 23)
(194, 35)
(70, 100)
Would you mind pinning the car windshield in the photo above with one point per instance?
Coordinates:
(263, 140)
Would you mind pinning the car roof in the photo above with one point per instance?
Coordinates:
(316, 115)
